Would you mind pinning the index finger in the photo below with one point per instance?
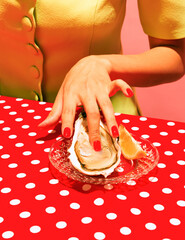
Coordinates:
(93, 120)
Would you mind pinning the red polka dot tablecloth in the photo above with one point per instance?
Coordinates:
(35, 205)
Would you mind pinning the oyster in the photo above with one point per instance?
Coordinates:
(85, 159)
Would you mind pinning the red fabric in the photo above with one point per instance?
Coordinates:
(150, 209)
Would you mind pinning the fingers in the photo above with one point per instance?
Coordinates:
(55, 114)
(93, 120)
(108, 112)
(119, 84)
(68, 116)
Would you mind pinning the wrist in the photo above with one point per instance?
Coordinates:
(98, 60)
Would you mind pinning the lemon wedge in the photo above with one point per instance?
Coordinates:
(130, 148)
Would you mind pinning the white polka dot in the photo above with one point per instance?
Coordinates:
(181, 130)
(6, 190)
(117, 114)
(98, 201)
(39, 142)
(24, 105)
(108, 186)
(35, 229)
(37, 117)
(175, 221)
(15, 202)
(21, 175)
(153, 179)
(25, 214)
(1, 147)
(175, 141)
(61, 224)
(99, 236)
(2, 101)
(12, 113)
(51, 131)
(32, 134)
(64, 193)
(111, 216)
(144, 194)
(73, 238)
(1, 121)
(46, 169)
(181, 203)
(19, 119)
(48, 109)
(50, 210)
(30, 185)
(35, 162)
(7, 107)
(19, 144)
(86, 187)
(8, 234)
(1, 179)
(5, 156)
(12, 165)
(125, 231)
(152, 126)
(135, 128)
(53, 181)
(27, 153)
(121, 197)
(168, 153)
(125, 121)
(58, 138)
(170, 123)
(47, 150)
(75, 206)
(156, 144)
(163, 133)
(40, 197)
(131, 183)
(42, 103)
(19, 99)
(13, 136)
(31, 111)
(145, 136)
(142, 118)
(135, 211)
(150, 226)
(119, 169)
(158, 207)
(181, 162)
(5, 129)
(166, 190)
(86, 220)
(25, 126)
(1, 219)
(161, 165)
(174, 175)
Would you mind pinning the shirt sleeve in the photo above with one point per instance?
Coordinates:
(163, 19)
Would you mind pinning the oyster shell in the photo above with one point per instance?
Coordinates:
(85, 159)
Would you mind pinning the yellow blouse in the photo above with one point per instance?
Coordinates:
(40, 40)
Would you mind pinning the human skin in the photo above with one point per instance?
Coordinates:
(93, 79)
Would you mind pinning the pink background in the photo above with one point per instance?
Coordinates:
(166, 101)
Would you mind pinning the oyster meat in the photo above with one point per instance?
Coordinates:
(85, 159)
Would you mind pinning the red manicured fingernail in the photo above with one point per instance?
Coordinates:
(129, 92)
(115, 132)
(67, 132)
(97, 146)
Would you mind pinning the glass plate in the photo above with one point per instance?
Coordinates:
(126, 171)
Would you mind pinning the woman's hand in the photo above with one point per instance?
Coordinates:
(88, 84)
